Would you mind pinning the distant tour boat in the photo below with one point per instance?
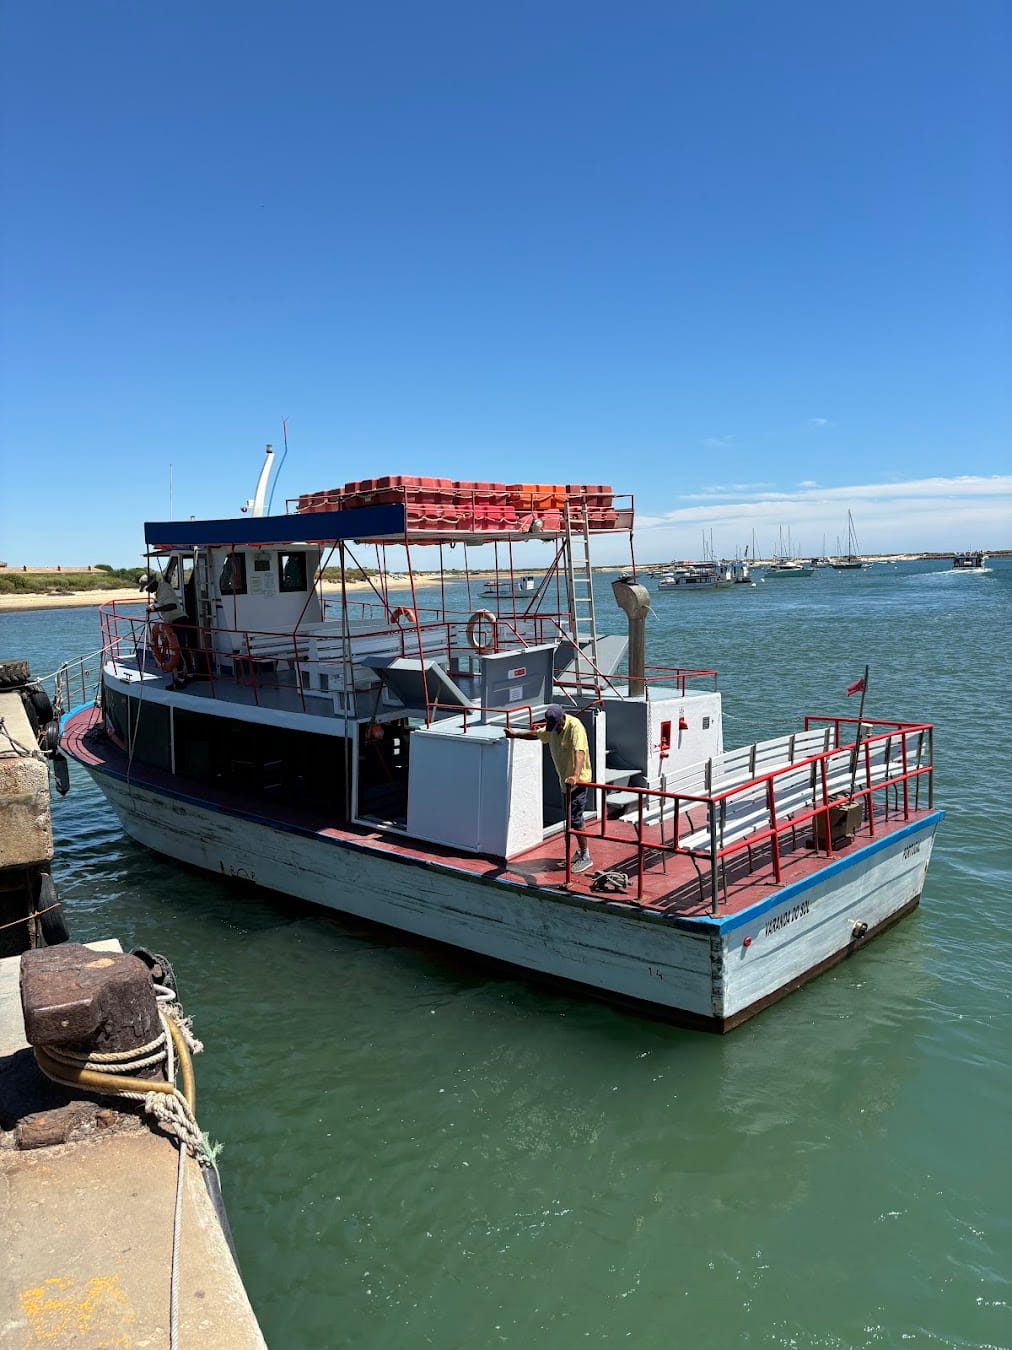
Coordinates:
(973, 561)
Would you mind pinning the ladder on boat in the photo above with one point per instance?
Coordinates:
(206, 617)
(580, 589)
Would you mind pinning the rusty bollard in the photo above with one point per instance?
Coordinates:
(85, 1002)
(80, 1002)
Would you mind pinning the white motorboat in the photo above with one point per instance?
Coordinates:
(788, 567)
(510, 585)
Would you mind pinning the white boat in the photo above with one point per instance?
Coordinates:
(975, 560)
(699, 576)
(510, 585)
(360, 762)
(706, 576)
(788, 567)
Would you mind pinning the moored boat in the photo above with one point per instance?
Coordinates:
(356, 757)
(697, 576)
(510, 585)
(788, 567)
(852, 560)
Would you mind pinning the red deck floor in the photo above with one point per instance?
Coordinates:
(671, 884)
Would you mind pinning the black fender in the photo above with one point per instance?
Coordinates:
(49, 737)
(40, 702)
(61, 772)
(51, 920)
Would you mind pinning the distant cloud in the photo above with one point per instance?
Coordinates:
(717, 442)
(726, 490)
(808, 483)
(912, 515)
(819, 422)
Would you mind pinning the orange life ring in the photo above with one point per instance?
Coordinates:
(165, 647)
(402, 612)
(477, 618)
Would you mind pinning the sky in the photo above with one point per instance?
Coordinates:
(751, 263)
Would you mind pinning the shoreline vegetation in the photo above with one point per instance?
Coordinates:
(53, 588)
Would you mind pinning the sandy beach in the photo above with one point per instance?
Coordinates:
(127, 596)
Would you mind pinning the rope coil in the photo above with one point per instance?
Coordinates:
(111, 1073)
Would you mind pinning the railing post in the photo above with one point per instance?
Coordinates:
(906, 780)
(931, 771)
(713, 856)
(774, 841)
(823, 817)
(870, 798)
(639, 852)
(566, 836)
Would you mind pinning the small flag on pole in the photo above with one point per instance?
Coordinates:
(856, 687)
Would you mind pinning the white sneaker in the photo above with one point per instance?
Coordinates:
(581, 862)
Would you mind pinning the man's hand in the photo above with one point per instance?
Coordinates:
(572, 781)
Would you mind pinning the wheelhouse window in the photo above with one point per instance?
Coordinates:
(292, 568)
(232, 580)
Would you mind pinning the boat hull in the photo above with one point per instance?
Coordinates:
(710, 973)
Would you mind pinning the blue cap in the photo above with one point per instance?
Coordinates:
(553, 716)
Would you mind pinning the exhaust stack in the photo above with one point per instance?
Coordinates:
(634, 599)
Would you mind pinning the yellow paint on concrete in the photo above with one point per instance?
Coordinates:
(61, 1308)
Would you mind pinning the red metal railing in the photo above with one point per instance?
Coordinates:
(257, 659)
(769, 819)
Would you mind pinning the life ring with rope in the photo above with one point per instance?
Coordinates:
(402, 612)
(165, 647)
(474, 623)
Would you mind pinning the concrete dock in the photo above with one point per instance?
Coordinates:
(87, 1206)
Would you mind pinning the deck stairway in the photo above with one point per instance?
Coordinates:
(580, 589)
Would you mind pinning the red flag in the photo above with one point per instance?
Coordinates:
(856, 687)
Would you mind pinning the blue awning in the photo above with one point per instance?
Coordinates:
(313, 527)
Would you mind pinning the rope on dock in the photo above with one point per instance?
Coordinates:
(111, 1073)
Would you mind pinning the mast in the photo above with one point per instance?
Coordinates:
(852, 544)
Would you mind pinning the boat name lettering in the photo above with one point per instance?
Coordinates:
(788, 916)
(911, 849)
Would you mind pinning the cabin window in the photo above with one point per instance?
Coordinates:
(292, 567)
(232, 580)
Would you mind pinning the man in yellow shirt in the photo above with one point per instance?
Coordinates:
(566, 739)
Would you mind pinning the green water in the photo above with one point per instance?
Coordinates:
(419, 1152)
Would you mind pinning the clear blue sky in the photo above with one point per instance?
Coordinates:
(751, 262)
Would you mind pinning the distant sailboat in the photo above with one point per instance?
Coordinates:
(853, 562)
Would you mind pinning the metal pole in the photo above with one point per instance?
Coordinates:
(713, 858)
(857, 742)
